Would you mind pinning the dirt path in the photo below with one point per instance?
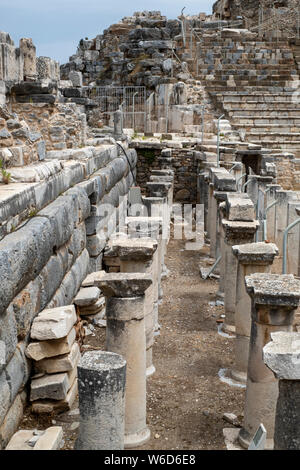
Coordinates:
(186, 399)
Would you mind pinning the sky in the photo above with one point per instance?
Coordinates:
(56, 26)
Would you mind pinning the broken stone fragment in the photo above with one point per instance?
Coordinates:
(87, 296)
(53, 323)
(62, 363)
(56, 347)
(54, 387)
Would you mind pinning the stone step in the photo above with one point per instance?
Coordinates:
(265, 109)
(275, 137)
(270, 121)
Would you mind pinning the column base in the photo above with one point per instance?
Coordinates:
(239, 376)
(137, 439)
(229, 329)
(245, 438)
(150, 371)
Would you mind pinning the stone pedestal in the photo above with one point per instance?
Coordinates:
(125, 335)
(235, 233)
(101, 391)
(221, 182)
(252, 258)
(118, 125)
(282, 356)
(137, 256)
(274, 300)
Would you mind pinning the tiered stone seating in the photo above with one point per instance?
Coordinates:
(254, 82)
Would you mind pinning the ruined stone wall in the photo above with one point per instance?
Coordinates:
(249, 9)
(185, 172)
(50, 239)
(31, 129)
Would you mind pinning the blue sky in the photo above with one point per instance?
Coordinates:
(56, 26)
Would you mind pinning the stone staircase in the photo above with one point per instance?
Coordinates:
(254, 82)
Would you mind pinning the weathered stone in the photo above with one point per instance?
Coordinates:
(53, 323)
(63, 363)
(56, 347)
(54, 387)
(87, 296)
(122, 284)
(101, 381)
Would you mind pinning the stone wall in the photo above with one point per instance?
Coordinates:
(185, 171)
(50, 239)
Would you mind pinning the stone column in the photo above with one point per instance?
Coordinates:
(282, 356)
(274, 300)
(252, 258)
(239, 228)
(101, 392)
(137, 256)
(125, 335)
(150, 227)
(222, 182)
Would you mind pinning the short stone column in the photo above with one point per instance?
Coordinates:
(239, 228)
(137, 256)
(252, 258)
(101, 391)
(282, 356)
(274, 300)
(125, 335)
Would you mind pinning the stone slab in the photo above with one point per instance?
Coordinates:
(53, 323)
(56, 347)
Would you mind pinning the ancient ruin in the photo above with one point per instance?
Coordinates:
(150, 235)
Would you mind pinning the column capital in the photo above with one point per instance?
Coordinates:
(274, 290)
(255, 253)
(282, 355)
(237, 231)
(123, 285)
(239, 207)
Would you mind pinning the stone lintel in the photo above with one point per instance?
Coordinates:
(276, 290)
(123, 285)
(256, 253)
(282, 355)
(135, 249)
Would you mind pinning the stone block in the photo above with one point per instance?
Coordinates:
(64, 363)
(51, 439)
(54, 387)
(87, 296)
(56, 347)
(282, 355)
(240, 209)
(50, 407)
(53, 323)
